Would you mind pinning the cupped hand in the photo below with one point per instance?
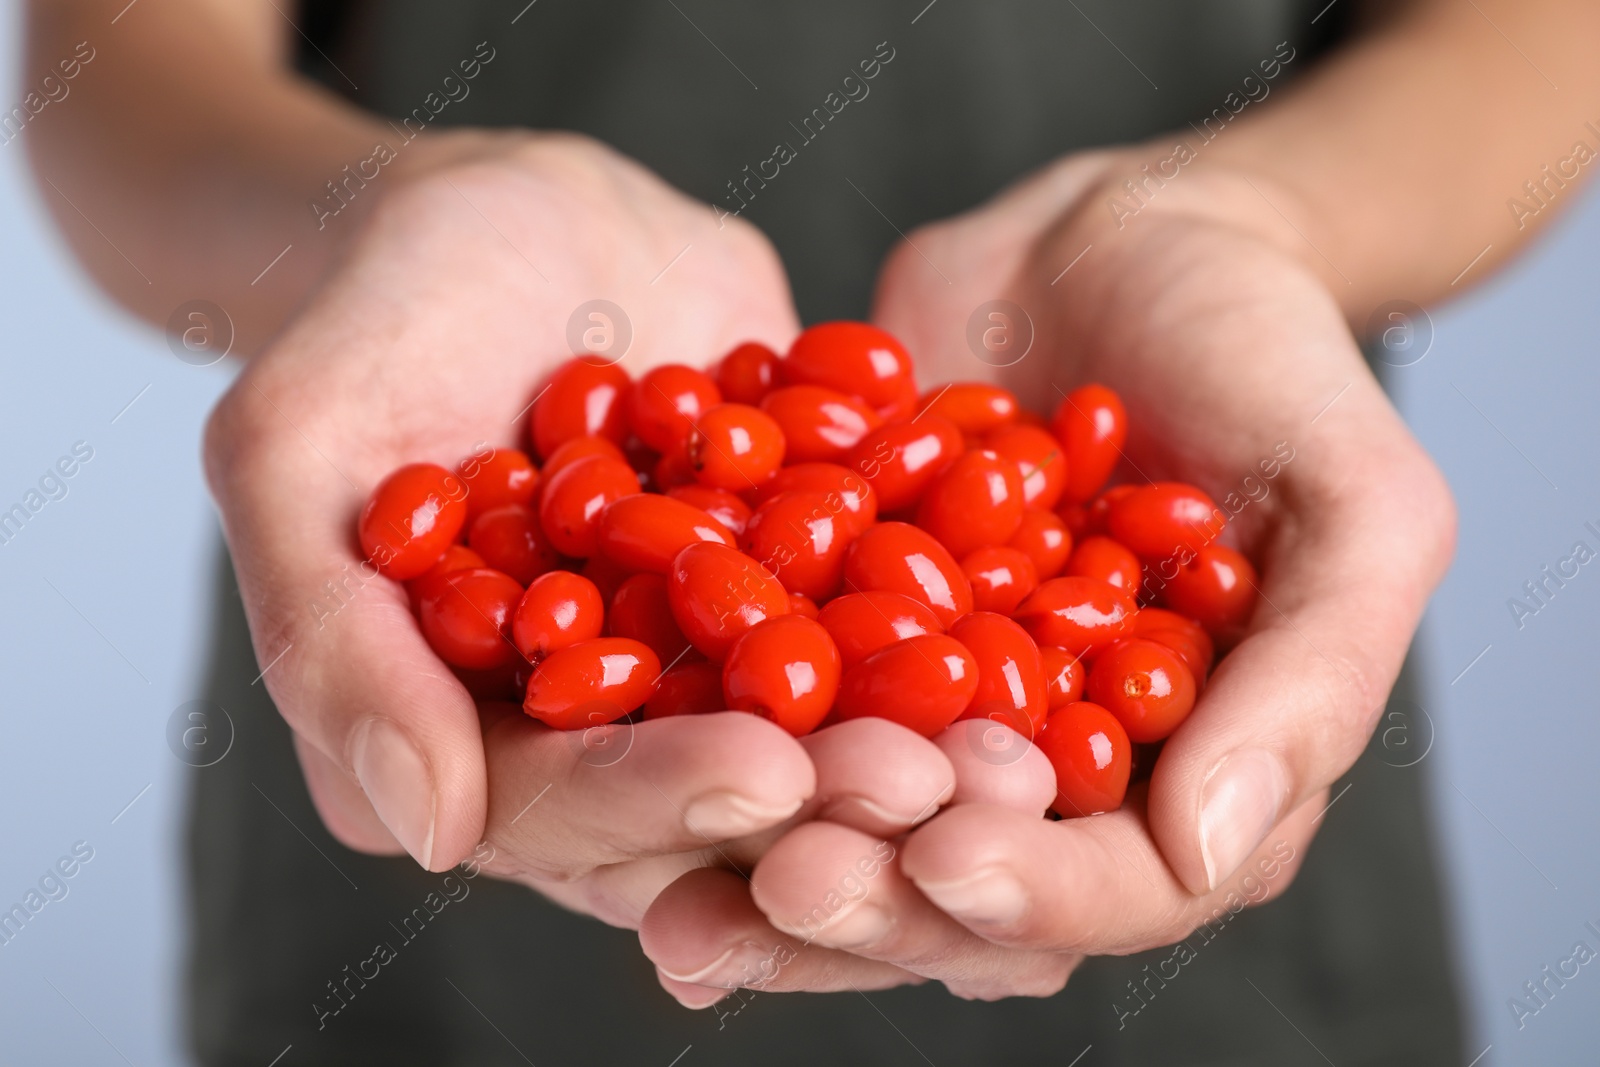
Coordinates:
(1240, 376)
(427, 344)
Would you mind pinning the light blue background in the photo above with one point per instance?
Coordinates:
(91, 670)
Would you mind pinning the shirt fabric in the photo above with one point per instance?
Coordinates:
(351, 959)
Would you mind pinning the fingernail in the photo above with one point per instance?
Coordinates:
(989, 897)
(397, 781)
(724, 815)
(1239, 804)
(863, 925)
(745, 964)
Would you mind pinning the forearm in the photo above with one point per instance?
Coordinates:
(186, 156)
(1390, 168)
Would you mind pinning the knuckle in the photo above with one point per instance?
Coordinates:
(905, 263)
(567, 149)
(239, 430)
(1435, 514)
(750, 247)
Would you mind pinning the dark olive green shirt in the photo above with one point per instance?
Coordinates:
(834, 126)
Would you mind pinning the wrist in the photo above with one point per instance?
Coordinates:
(1153, 184)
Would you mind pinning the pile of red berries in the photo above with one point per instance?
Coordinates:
(806, 538)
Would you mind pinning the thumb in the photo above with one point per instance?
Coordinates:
(1291, 708)
(345, 663)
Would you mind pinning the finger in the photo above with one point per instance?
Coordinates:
(996, 765)
(876, 776)
(562, 803)
(870, 773)
(312, 425)
(344, 808)
(620, 894)
(343, 659)
(1094, 886)
(1291, 708)
(706, 936)
(839, 888)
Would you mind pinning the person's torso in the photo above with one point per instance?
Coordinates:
(831, 124)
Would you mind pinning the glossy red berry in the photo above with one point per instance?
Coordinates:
(852, 357)
(466, 618)
(1145, 685)
(847, 490)
(1181, 634)
(803, 606)
(904, 404)
(584, 397)
(725, 507)
(975, 503)
(1011, 680)
(1217, 588)
(591, 683)
(1094, 518)
(1165, 520)
(455, 558)
(785, 669)
(559, 609)
(976, 408)
(747, 374)
(901, 459)
(570, 451)
(496, 478)
(640, 456)
(687, 689)
(1001, 578)
(1092, 426)
(672, 470)
(923, 683)
(644, 531)
(717, 593)
(1193, 653)
(605, 575)
(1063, 676)
(819, 425)
(862, 623)
(1163, 619)
(1081, 615)
(1046, 540)
(642, 611)
(801, 541)
(666, 401)
(411, 518)
(1107, 560)
(735, 447)
(569, 509)
(1040, 459)
(511, 539)
(901, 558)
(1092, 757)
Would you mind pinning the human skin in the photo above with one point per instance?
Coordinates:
(1222, 312)
(1355, 532)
